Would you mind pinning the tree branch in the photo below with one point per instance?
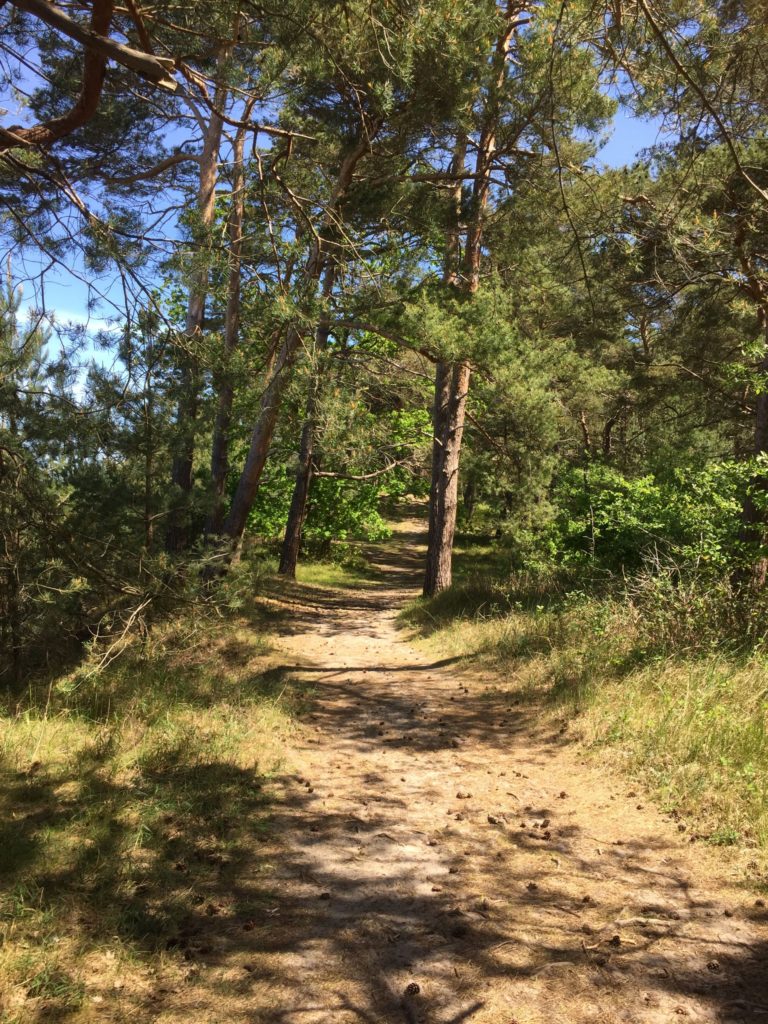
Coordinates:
(94, 70)
(152, 172)
(364, 325)
(707, 104)
(94, 39)
(363, 476)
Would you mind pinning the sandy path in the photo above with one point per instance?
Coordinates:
(443, 859)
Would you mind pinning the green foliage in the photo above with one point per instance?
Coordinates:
(617, 336)
(270, 509)
(82, 489)
(339, 511)
(692, 516)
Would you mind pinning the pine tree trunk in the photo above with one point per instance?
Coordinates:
(14, 621)
(298, 511)
(179, 531)
(261, 438)
(149, 456)
(435, 574)
(469, 498)
(10, 606)
(450, 411)
(182, 465)
(445, 481)
(220, 442)
(439, 433)
(754, 530)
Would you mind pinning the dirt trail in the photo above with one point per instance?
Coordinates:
(444, 859)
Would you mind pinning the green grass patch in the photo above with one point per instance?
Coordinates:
(697, 734)
(345, 565)
(331, 574)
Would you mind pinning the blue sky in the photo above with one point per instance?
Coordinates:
(630, 135)
(67, 295)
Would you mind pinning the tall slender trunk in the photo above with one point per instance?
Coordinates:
(10, 607)
(13, 610)
(452, 382)
(263, 431)
(261, 438)
(439, 420)
(754, 531)
(451, 392)
(435, 571)
(297, 513)
(149, 449)
(179, 525)
(220, 443)
(754, 513)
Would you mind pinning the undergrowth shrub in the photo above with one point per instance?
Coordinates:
(668, 550)
(693, 516)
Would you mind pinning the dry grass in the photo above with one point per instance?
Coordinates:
(693, 730)
(128, 799)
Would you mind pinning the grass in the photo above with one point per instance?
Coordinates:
(691, 725)
(696, 733)
(130, 803)
(332, 574)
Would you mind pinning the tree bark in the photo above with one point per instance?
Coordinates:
(450, 410)
(86, 104)
(149, 449)
(95, 40)
(610, 423)
(298, 511)
(451, 391)
(220, 443)
(754, 532)
(179, 525)
(261, 438)
(469, 498)
(754, 514)
(434, 575)
(10, 603)
(439, 420)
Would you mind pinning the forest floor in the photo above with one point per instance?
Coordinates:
(429, 846)
(444, 854)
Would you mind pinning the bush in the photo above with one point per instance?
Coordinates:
(693, 517)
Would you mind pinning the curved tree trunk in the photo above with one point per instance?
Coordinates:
(297, 513)
(261, 438)
(179, 530)
(220, 443)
